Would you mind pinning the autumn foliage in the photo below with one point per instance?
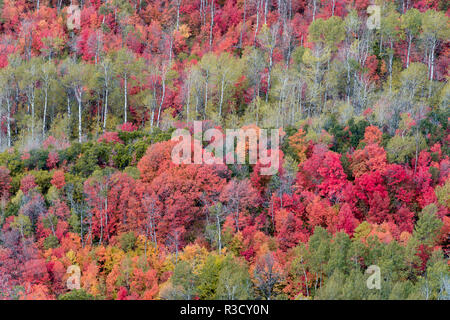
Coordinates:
(87, 177)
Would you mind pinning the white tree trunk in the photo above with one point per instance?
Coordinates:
(79, 99)
(125, 107)
(409, 51)
(162, 99)
(45, 112)
(221, 96)
(8, 126)
(106, 109)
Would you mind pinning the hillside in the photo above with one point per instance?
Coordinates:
(92, 93)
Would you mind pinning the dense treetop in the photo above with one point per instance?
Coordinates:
(86, 177)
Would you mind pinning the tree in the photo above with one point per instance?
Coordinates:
(314, 62)
(47, 75)
(217, 214)
(339, 248)
(390, 30)
(326, 35)
(299, 145)
(318, 255)
(269, 41)
(239, 195)
(6, 95)
(427, 227)
(346, 220)
(77, 294)
(267, 276)
(182, 191)
(28, 82)
(234, 282)
(23, 224)
(125, 65)
(323, 172)
(5, 184)
(413, 80)
(156, 160)
(107, 74)
(329, 32)
(153, 214)
(103, 221)
(435, 28)
(434, 284)
(78, 77)
(225, 72)
(208, 277)
(184, 281)
(254, 62)
(411, 23)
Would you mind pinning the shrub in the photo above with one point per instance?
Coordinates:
(108, 137)
(123, 156)
(128, 127)
(51, 242)
(128, 241)
(37, 159)
(77, 294)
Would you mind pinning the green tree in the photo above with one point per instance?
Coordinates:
(413, 81)
(107, 74)
(318, 255)
(326, 35)
(208, 277)
(77, 294)
(443, 194)
(329, 32)
(427, 228)
(392, 262)
(339, 248)
(79, 77)
(185, 281)
(29, 76)
(355, 286)
(434, 283)
(234, 281)
(268, 37)
(23, 224)
(435, 28)
(314, 62)
(51, 242)
(125, 65)
(411, 24)
(390, 30)
(226, 72)
(48, 81)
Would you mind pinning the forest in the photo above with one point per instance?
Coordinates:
(92, 90)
